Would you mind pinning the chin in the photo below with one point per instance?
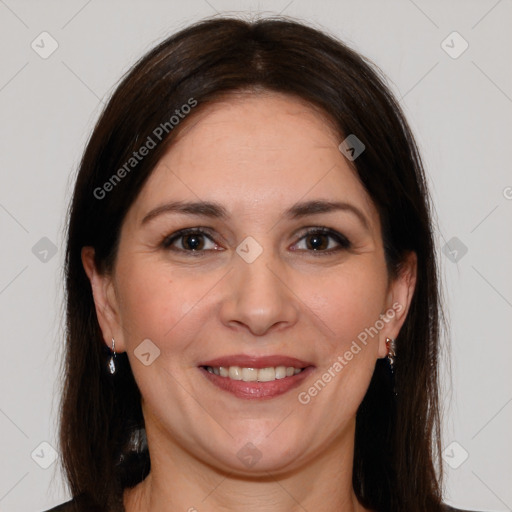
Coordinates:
(262, 455)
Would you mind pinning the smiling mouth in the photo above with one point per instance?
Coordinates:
(249, 383)
(268, 374)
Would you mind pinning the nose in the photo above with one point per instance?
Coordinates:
(257, 297)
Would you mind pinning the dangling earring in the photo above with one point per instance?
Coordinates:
(111, 363)
(390, 344)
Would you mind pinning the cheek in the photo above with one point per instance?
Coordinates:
(168, 305)
(352, 301)
(349, 303)
(163, 307)
(154, 302)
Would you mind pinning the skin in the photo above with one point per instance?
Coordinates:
(257, 155)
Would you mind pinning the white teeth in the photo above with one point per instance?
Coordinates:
(249, 374)
(280, 372)
(254, 374)
(266, 374)
(235, 373)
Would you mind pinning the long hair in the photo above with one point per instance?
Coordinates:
(397, 441)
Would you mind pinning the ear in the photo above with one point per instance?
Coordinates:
(105, 301)
(398, 301)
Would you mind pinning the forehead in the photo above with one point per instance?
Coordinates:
(254, 151)
(249, 109)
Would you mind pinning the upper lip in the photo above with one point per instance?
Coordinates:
(246, 361)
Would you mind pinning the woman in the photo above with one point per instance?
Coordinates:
(252, 295)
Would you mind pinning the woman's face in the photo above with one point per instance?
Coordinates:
(252, 290)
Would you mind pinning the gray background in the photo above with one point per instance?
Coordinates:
(460, 109)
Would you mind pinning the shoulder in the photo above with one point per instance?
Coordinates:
(69, 506)
(447, 508)
(78, 504)
(74, 506)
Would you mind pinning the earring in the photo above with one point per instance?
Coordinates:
(111, 363)
(390, 344)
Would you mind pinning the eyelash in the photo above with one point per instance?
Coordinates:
(343, 242)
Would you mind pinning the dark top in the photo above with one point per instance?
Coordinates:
(79, 505)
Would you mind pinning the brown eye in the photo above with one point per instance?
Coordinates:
(317, 242)
(192, 240)
(323, 240)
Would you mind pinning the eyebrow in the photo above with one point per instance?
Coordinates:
(215, 210)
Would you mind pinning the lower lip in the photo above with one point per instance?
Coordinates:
(257, 390)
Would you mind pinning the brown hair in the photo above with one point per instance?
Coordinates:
(397, 439)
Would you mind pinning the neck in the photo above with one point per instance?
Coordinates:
(178, 481)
